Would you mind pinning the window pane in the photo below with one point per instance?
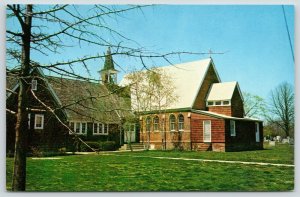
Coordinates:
(77, 130)
(95, 127)
(106, 126)
(225, 102)
(210, 103)
(148, 122)
(172, 122)
(218, 103)
(101, 127)
(83, 127)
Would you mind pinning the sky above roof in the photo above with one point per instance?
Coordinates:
(253, 41)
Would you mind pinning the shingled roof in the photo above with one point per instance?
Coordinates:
(85, 101)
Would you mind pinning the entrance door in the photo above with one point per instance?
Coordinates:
(129, 134)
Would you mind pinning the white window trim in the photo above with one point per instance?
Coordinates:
(172, 130)
(232, 132)
(154, 123)
(257, 132)
(180, 123)
(214, 103)
(206, 140)
(34, 84)
(35, 120)
(100, 132)
(80, 128)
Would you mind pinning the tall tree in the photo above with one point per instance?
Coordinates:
(282, 109)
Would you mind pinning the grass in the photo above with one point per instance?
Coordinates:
(281, 153)
(122, 172)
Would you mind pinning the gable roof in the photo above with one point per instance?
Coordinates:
(222, 91)
(83, 100)
(187, 79)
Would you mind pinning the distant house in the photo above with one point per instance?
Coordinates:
(90, 109)
(209, 114)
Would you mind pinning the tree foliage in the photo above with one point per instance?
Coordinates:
(254, 105)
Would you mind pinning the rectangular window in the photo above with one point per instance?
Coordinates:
(78, 127)
(226, 102)
(210, 103)
(106, 127)
(218, 103)
(257, 132)
(100, 129)
(34, 84)
(232, 128)
(39, 121)
(207, 131)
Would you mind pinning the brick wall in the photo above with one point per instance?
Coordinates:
(226, 110)
(164, 138)
(217, 133)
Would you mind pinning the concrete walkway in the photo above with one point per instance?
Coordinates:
(212, 160)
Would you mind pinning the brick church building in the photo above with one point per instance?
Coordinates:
(208, 115)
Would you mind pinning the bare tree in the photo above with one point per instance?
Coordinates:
(254, 105)
(282, 109)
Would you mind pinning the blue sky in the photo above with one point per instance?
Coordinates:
(254, 40)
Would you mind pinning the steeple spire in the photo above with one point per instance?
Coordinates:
(108, 73)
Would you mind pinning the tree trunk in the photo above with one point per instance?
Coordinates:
(19, 172)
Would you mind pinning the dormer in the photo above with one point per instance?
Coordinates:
(225, 98)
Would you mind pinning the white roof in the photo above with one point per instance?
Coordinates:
(187, 78)
(221, 91)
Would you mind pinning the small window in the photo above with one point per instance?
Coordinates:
(156, 123)
(232, 128)
(206, 131)
(78, 127)
(181, 122)
(257, 138)
(226, 102)
(34, 84)
(39, 121)
(105, 129)
(210, 103)
(172, 122)
(148, 124)
(218, 103)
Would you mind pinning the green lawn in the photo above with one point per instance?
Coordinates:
(122, 172)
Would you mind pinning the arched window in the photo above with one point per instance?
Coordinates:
(172, 122)
(156, 123)
(148, 124)
(180, 122)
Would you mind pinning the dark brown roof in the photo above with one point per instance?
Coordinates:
(83, 100)
(87, 101)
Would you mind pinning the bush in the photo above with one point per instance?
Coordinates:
(94, 145)
(108, 146)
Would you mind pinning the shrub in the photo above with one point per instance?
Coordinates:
(94, 145)
(108, 146)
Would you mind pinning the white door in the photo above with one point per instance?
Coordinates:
(129, 134)
(207, 131)
(257, 132)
